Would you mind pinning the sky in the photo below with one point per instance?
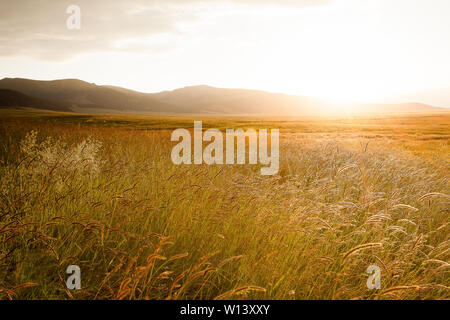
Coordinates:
(341, 50)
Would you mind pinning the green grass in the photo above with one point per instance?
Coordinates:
(140, 227)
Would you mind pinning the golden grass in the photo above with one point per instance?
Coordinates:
(350, 193)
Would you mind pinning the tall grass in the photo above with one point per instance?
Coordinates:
(110, 201)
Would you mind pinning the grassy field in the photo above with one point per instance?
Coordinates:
(101, 192)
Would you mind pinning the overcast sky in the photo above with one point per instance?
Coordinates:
(366, 50)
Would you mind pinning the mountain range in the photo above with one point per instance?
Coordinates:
(80, 96)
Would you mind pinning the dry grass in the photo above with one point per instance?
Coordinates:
(102, 193)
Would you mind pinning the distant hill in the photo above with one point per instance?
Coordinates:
(80, 95)
(206, 99)
(11, 98)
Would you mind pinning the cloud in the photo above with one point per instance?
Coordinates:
(37, 28)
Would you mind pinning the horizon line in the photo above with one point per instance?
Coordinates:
(332, 101)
